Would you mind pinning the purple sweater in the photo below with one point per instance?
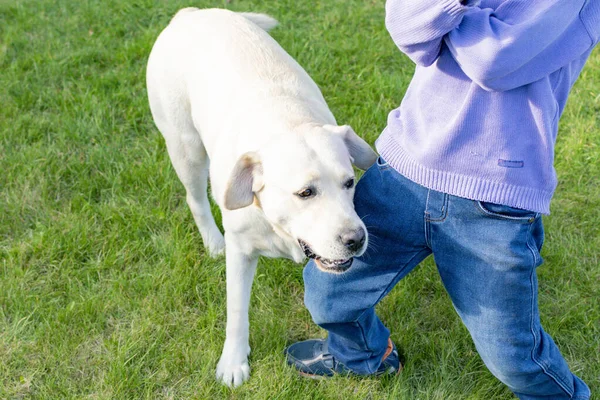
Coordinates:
(480, 116)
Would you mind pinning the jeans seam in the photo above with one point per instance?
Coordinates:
(427, 231)
(547, 371)
(532, 246)
(364, 339)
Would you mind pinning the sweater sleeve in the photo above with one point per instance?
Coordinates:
(418, 26)
(522, 41)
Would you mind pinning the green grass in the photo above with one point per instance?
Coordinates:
(105, 289)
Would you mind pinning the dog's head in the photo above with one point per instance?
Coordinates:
(304, 183)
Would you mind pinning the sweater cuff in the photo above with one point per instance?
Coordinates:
(458, 7)
(454, 8)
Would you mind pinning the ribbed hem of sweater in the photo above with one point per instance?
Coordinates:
(469, 187)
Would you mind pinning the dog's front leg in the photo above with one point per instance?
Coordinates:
(233, 368)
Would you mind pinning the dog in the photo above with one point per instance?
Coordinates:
(233, 105)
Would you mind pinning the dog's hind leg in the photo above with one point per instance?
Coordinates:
(170, 108)
(191, 163)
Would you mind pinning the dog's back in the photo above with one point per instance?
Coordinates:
(201, 48)
(264, 21)
(225, 61)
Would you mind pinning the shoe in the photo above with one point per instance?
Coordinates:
(312, 359)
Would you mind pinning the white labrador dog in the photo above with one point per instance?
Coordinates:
(222, 90)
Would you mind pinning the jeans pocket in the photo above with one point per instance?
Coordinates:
(501, 211)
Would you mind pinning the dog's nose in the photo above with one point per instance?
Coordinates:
(354, 240)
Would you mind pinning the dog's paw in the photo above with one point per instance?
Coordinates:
(233, 371)
(215, 245)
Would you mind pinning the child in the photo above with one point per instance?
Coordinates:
(466, 170)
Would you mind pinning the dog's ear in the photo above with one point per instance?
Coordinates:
(363, 156)
(245, 180)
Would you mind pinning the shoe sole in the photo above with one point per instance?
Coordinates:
(312, 376)
(322, 377)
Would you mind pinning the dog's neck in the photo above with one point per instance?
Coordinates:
(292, 248)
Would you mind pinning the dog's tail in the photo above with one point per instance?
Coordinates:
(264, 21)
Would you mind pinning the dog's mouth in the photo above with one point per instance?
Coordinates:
(324, 264)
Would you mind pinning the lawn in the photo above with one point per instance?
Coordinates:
(105, 288)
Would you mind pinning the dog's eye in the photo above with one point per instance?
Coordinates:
(349, 184)
(306, 193)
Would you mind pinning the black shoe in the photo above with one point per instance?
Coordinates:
(311, 358)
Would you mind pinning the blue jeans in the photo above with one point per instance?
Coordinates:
(486, 255)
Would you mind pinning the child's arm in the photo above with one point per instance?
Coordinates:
(523, 41)
(418, 26)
